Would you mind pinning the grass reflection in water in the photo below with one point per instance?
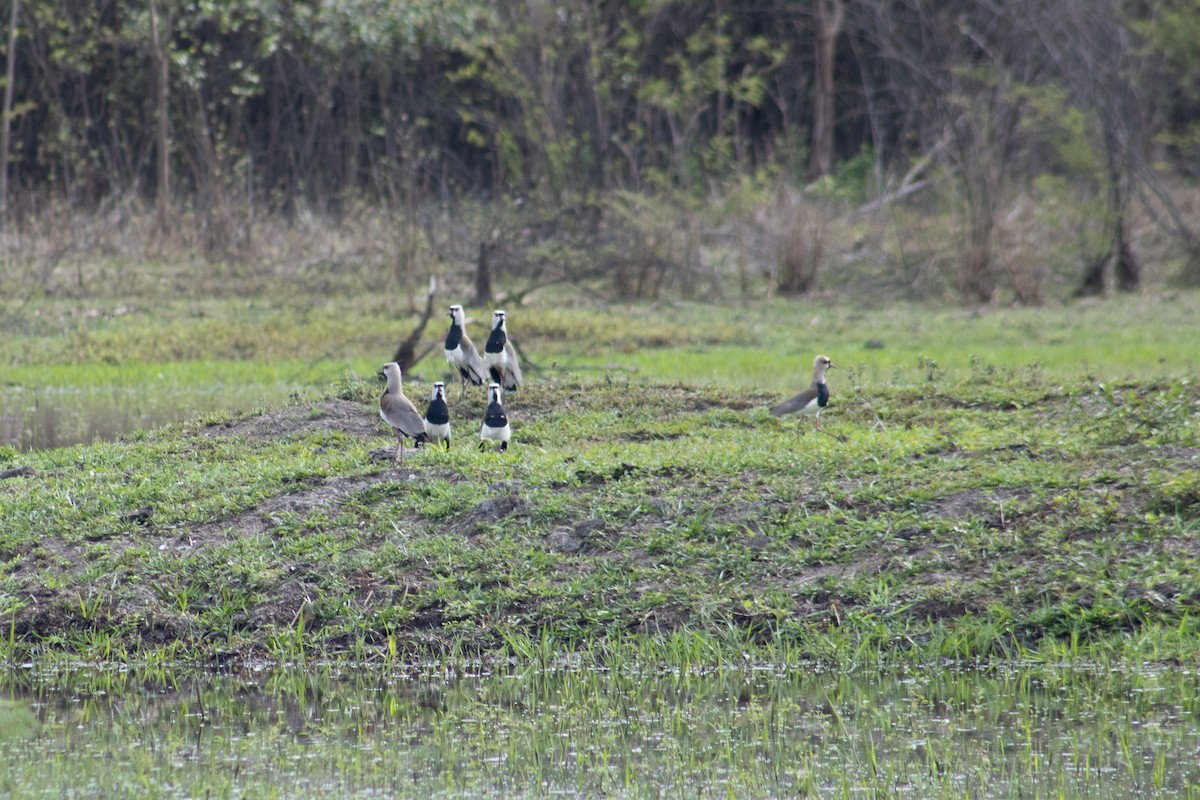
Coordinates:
(627, 731)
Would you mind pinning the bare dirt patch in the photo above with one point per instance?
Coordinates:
(347, 416)
(974, 503)
(493, 509)
(1177, 452)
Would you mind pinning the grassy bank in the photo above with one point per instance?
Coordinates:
(315, 338)
(973, 501)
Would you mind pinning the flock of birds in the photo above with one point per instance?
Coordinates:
(498, 364)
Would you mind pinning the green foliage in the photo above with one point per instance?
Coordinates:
(974, 494)
(1173, 33)
(1169, 416)
(376, 31)
(1178, 494)
(1170, 37)
(1067, 130)
(850, 180)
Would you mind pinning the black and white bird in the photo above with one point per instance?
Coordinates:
(812, 400)
(437, 417)
(500, 356)
(399, 412)
(461, 353)
(495, 426)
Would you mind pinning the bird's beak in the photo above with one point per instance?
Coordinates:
(830, 365)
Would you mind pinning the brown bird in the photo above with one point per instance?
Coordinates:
(500, 356)
(399, 412)
(461, 353)
(812, 400)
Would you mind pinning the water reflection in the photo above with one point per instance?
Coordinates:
(751, 732)
(47, 417)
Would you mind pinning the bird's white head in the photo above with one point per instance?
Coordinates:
(494, 393)
(456, 314)
(439, 390)
(391, 371)
(820, 364)
(497, 319)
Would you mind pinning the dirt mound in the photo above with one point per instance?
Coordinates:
(346, 416)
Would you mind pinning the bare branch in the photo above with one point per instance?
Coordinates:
(405, 353)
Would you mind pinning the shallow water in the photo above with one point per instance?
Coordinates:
(754, 732)
(54, 416)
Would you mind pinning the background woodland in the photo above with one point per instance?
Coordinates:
(982, 150)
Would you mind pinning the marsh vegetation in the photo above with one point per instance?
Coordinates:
(967, 508)
(978, 581)
(986, 583)
(688, 723)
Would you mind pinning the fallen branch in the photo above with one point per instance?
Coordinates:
(899, 194)
(421, 356)
(405, 353)
(909, 183)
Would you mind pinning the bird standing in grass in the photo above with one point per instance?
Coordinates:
(812, 400)
(399, 412)
(495, 426)
(437, 417)
(500, 356)
(461, 353)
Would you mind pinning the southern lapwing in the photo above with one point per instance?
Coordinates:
(499, 355)
(437, 417)
(495, 426)
(399, 412)
(461, 353)
(812, 400)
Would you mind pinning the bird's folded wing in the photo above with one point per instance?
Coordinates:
(513, 367)
(796, 403)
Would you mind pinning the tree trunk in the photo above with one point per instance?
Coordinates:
(976, 281)
(1127, 268)
(829, 22)
(163, 190)
(1093, 280)
(10, 56)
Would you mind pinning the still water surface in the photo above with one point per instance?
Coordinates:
(756, 731)
(57, 417)
(35, 418)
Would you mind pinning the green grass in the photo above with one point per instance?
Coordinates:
(1015, 484)
(672, 717)
(768, 344)
(771, 347)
